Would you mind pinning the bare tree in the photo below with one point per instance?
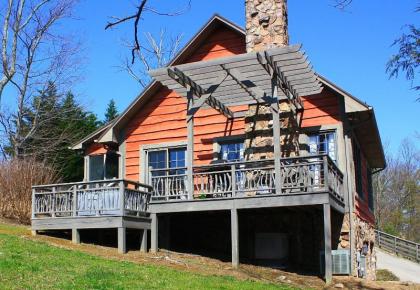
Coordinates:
(136, 45)
(397, 193)
(34, 55)
(156, 52)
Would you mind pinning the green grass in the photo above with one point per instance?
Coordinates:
(385, 275)
(26, 264)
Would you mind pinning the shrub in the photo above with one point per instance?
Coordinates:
(16, 180)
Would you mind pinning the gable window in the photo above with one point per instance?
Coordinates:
(231, 151)
(103, 166)
(323, 143)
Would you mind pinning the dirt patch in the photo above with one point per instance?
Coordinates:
(204, 265)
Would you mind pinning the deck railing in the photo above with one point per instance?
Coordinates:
(309, 174)
(398, 246)
(94, 198)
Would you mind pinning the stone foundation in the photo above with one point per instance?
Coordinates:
(364, 235)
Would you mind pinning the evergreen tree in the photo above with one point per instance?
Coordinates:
(111, 112)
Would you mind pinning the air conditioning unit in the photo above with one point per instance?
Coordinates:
(340, 262)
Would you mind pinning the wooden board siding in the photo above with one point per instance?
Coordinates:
(95, 149)
(163, 118)
(362, 203)
(321, 109)
(221, 43)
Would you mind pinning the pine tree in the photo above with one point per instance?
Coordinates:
(111, 112)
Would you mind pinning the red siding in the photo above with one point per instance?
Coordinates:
(163, 118)
(95, 149)
(321, 109)
(362, 204)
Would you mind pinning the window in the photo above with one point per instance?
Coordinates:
(231, 151)
(172, 160)
(323, 143)
(103, 166)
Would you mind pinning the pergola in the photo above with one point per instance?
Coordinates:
(264, 77)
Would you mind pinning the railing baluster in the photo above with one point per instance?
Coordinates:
(74, 200)
(233, 178)
(121, 192)
(53, 202)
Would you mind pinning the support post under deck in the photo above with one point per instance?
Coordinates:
(143, 241)
(327, 243)
(122, 243)
(234, 237)
(75, 236)
(154, 233)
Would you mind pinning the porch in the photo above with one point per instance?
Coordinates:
(119, 204)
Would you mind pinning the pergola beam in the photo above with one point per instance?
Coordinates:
(204, 95)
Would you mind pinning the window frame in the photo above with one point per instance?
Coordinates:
(320, 132)
(219, 141)
(104, 165)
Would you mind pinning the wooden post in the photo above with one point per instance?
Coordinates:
(327, 243)
(325, 164)
(121, 197)
(53, 202)
(190, 145)
(233, 173)
(154, 233)
(234, 237)
(143, 241)
(74, 200)
(75, 236)
(33, 202)
(122, 245)
(275, 109)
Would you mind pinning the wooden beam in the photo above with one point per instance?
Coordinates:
(154, 233)
(327, 243)
(275, 110)
(122, 240)
(234, 224)
(245, 84)
(190, 145)
(199, 91)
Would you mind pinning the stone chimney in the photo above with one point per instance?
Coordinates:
(266, 24)
(267, 27)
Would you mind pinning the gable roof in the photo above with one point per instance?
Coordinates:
(108, 133)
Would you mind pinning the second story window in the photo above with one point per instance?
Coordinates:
(232, 151)
(323, 143)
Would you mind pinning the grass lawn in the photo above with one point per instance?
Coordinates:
(26, 264)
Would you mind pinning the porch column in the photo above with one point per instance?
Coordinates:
(75, 236)
(275, 109)
(234, 237)
(327, 243)
(154, 233)
(122, 245)
(143, 241)
(190, 144)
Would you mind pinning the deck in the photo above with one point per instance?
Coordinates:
(250, 184)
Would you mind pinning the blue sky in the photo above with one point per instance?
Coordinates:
(350, 48)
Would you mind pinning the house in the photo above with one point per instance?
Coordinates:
(181, 162)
